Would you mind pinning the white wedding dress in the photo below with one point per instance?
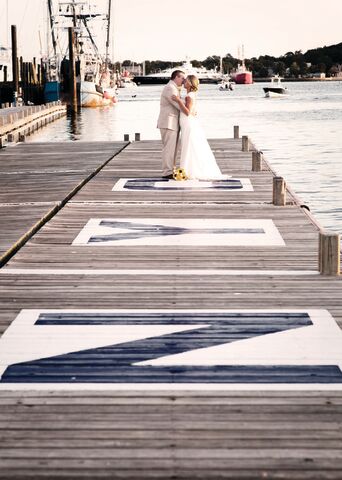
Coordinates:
(197, 159)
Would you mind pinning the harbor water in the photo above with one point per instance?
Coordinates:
(300, 133)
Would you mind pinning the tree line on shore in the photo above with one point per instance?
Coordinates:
(327, 60)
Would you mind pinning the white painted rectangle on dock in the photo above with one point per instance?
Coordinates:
(159, 184)
(179, 231)
(285, 348)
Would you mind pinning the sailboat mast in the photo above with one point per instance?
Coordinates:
(108, 29)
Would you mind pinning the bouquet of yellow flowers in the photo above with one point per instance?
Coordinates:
(179, 174)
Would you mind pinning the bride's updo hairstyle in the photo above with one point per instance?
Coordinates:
(194, 82)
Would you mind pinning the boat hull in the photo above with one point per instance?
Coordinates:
(245, 78)
(51, 91)
(274, 92)
(147, 80)
(91, 95)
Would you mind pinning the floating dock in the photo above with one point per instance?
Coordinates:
(162, 329)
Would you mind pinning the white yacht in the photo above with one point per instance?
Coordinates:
(204, 75)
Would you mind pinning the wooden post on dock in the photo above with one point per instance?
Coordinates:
(245, 143)
(15, 62)
(257, 159)
(21, 70)
(34, 71)
(72, 70)
(329, 253)
(236, 131)
(24, 82)
(279, 191)
(137, 137)
(126, 137)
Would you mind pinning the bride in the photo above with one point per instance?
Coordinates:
(197, 159)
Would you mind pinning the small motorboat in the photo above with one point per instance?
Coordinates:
(226, 85)
(276, 89)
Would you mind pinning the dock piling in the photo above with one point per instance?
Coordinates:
(329, 253)
(73, 86)
(126, 137)
(137, 137)
(236, 131)
(15, 70)
(245, 143)
(12, 137)
(257, 159)
(279, 191)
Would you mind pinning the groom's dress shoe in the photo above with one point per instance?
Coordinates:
(168, 177)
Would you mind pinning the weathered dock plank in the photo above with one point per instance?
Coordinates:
(256, 445)
(35, 178)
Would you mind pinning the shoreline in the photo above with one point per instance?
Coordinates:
(268, 79)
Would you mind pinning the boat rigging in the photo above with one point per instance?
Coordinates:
(95, 79)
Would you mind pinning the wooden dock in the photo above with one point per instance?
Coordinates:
(36, 180)
(16, 123)
(156, 329)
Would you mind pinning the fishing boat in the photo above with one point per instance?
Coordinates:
(242, 75)
(95, 79)
(275, 89)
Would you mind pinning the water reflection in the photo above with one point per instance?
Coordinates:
(74, 124)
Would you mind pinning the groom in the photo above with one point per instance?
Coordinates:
(168, 122)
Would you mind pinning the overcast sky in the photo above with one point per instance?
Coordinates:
(167, 29)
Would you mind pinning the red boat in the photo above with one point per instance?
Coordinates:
(245, 78)
(242, 75)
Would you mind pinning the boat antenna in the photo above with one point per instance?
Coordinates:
(108, 30)
(54, 43)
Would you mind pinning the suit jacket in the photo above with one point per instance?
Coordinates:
(169, 110)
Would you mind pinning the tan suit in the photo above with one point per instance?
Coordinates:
(168, 123)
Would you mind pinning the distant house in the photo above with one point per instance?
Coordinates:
(336, 71)
(319, 75)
